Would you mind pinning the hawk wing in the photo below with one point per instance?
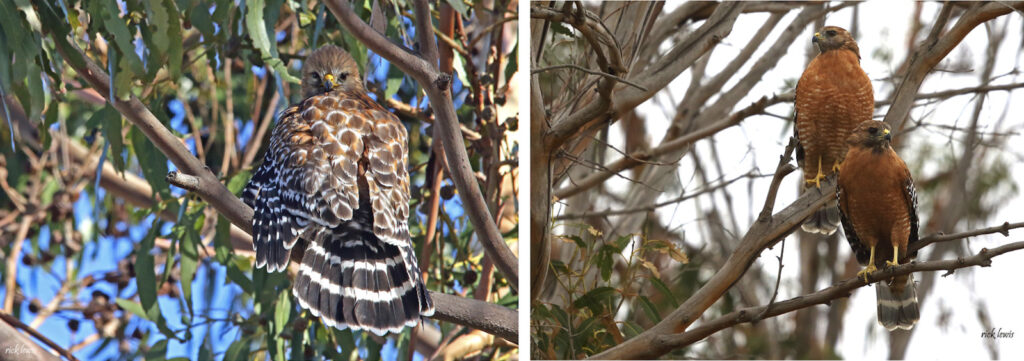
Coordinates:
(308, 177)
(862, 252)
(910, 195)
(387, 177)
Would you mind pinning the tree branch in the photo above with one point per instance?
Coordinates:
(826, 296)
(934, 49)
(15, 322)
(437, 86)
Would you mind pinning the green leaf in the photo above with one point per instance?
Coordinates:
(649, 309)
(593, 299)
(238, 181)
(282, 311)
(257, 27)
(176, 53)
(50, 117)
(394, 82)
(112, 124)
(222, 241)
(152, 161)
(145, 273)
(201, 20)
(158, 351)
(191, 223)
(459, 6)
(238, 351)
(132, 307)
(513, 63)
(347, 341)
(665, 291)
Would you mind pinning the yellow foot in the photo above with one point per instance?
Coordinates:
(867, 271)
(817, 178)
(895, 257)
(835, 166)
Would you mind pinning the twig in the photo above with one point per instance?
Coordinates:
(53, 345)
(651, 208)
(591, 72)
(784, 168)
(1003, 229)
(635, 159)
(10, 283)
(778, 279)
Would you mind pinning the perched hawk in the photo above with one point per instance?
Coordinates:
(335, 176)
(879, 214)
(832, 97)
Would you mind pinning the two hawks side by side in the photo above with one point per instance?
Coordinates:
(334, 175)
(875, 198)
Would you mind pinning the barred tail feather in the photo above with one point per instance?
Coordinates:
(824, 221)
(351, 279)
(897, 303)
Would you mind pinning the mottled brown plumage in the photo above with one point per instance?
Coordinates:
(832, 97)
(878, 205)
(335, 176)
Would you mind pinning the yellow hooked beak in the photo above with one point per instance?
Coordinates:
(886, 135)
(329, 82)
(817, 36)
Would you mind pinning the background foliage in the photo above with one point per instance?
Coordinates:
(108, 260)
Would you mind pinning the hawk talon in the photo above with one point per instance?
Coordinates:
(867, 271)
(818, 177)
(895, 257)
(835, 166)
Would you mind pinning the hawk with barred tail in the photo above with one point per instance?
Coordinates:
(335, 176)
(832, 97)
(878, 205)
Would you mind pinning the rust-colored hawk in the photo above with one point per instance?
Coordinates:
(878, 206)
(832, 97)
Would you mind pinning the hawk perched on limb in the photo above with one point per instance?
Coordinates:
(335, 176)
(878, 205)
(832, 97)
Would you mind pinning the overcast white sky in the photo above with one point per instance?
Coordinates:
(883, 25)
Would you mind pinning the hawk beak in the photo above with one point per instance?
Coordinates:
(886, 134)
(816, 37)
(329, 82)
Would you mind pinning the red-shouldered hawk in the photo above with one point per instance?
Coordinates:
(335, 176)
(832, 97)
(878, 205)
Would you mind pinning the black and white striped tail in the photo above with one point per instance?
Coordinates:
(351, 279)
(897, 303)
(825, 220)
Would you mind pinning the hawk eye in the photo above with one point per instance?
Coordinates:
(342, 76)
(873, 130)
(315, 75)
(831, 33)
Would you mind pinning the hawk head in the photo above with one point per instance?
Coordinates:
(871, 134)
(834, 37)
(328, 69)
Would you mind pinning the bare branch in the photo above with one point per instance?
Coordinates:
(14, 321)
(826, 296)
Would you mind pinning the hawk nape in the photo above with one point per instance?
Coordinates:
(878, 205)
(832, 97)
(335, 176)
